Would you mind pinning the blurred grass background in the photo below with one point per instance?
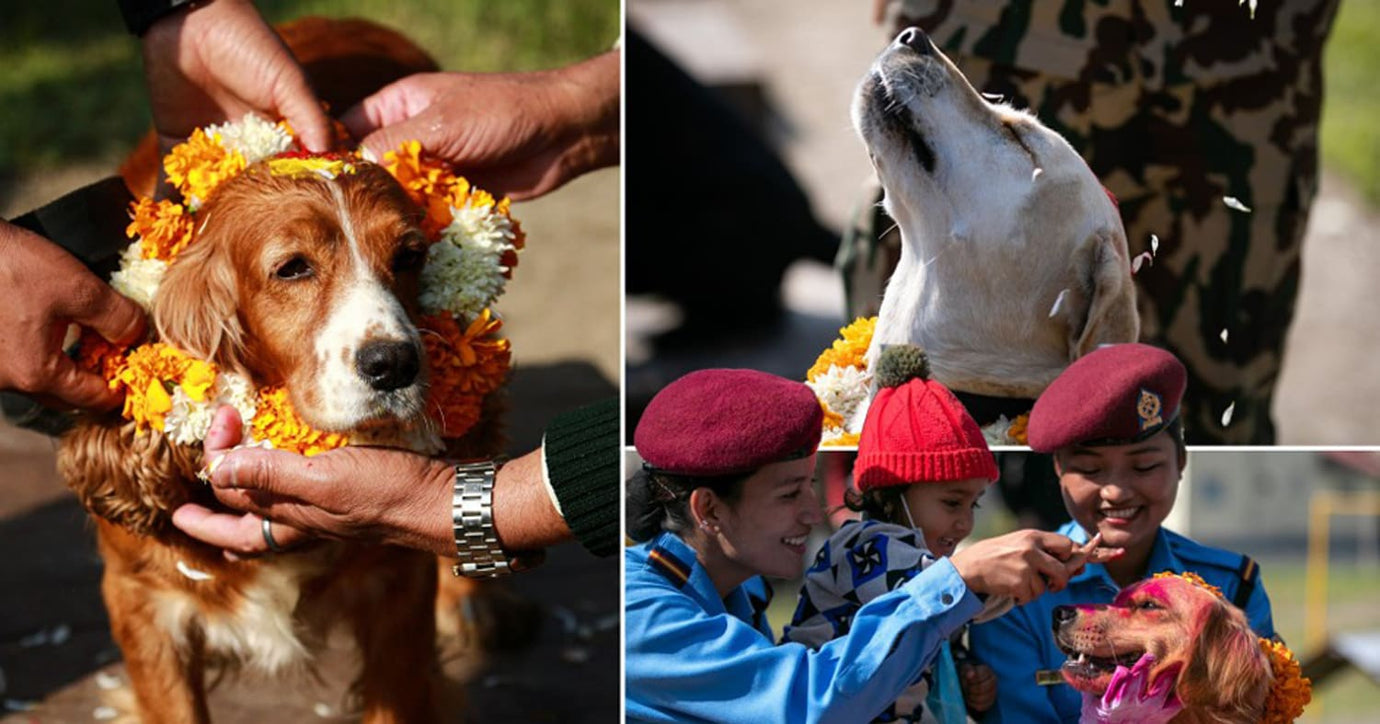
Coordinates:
(1351, 106)
(71, 87)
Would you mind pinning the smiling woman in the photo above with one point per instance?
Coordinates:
(725, 496)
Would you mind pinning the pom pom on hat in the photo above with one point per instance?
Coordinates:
(725, 422)
(916, 431)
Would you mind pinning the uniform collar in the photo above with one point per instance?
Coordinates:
(1162, 557)
(746, 602)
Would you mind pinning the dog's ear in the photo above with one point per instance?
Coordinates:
(196, 307)
(126, 476)
(1227, 675)
(1106, 278)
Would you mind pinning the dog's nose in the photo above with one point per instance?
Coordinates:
(915, 39)
(1064, 614)
(388, 365)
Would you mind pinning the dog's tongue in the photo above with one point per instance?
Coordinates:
(1132, 697)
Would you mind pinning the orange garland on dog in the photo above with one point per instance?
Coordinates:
(467, 357)
(1291, 690)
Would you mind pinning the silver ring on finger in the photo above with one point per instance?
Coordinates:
(268, 537)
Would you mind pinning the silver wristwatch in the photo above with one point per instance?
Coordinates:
(472, 512)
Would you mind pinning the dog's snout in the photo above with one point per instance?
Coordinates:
(1064, 614)
(915, 39)
(388, 365)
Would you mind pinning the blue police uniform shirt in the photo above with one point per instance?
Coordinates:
(693, 656)
(1022, 642)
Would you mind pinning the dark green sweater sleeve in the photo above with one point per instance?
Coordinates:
(581, 452)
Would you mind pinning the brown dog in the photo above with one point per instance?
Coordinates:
(294, 281)
(1222, 674)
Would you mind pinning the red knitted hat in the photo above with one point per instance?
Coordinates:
(916, 431)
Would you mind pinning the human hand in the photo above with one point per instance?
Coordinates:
(979, 685)
(218, 61)
(514, 134)
(1024, 564)
(1131, 698)
(47, 289)
(357, 493)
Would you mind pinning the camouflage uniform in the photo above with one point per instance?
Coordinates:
(1174, 108)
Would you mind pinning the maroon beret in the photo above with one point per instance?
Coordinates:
(725, 422)
(1117, 394)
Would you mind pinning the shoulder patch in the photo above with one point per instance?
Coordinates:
(674, 569)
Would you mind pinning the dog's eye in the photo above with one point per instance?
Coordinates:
(408, 260)
(294, 268)
(1149, 605)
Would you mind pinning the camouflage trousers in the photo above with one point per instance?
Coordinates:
(1172, 130)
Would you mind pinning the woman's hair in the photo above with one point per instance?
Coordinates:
(660, 501)
(882, 504)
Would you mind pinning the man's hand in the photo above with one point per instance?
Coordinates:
(47, 289)
(357, 493)
(514, 134)
(218, 61)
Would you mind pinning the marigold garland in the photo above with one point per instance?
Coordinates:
(167, 390)
(466, 365)
(277, 421)
(849, 350)
(1290, 691)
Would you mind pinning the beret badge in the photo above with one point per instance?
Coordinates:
(1148, 409)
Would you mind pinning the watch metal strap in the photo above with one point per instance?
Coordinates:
(472, 512)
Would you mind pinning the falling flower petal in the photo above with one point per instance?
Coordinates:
(1154, 244)
(1140, 261)
(107, 682)
(1058, 302)
(104, 713)
(1036, 173)
(994, 97)
(1233, 203)
(193, 573)
(1223, 335)
(1226, 414)
(323, 710)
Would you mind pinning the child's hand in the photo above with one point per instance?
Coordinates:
(979, 686)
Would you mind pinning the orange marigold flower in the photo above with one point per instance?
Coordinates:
(847, 351)
(199, 165)
(1194, 578)
(428, 181)
(1018, 430)
(847, 439)
(150, 374)
(1290, 691)
(275, 420)
(465, 365)
(163, 228)
(94, 353)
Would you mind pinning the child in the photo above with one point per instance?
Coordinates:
(922, 466)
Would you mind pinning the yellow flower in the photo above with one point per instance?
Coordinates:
(847, 439)
(465, 365)
(847, 351)
(1018, 432)
(150, 373)
(1290, 691)
(277, 422)
(1194, 578)
(163, 228)
(198, 166)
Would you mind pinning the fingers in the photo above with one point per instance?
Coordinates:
(240, 535)
(96, 305)
(227, 431)
(386, 119)
(76, 387)
(298, 104)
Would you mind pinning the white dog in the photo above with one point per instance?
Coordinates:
(1013, 258)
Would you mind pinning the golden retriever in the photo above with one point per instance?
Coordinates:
(1222, 674)
(1013, 257)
